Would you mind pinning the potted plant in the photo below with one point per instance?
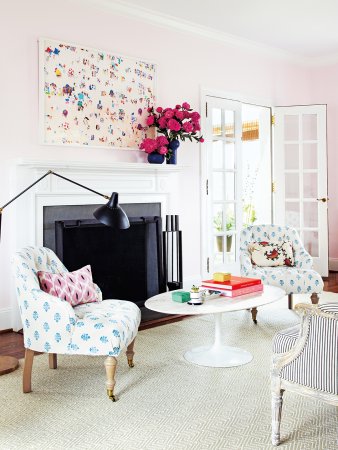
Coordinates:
(174, 124)
(195, 296)
(218, 226)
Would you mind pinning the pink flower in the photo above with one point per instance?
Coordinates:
(178, 106)
(162, 122)
(161, 141)
(173, 125)
(162, 150)
(186, 114)
(159, 109)
(150, 108)
(201, 140)
(196, 126)
(185, 105)
(188, 127)
(150, 120)
(195, 116)
(179, 115)
(149, 145)
(169, 113)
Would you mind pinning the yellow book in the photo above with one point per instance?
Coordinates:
(220, 276)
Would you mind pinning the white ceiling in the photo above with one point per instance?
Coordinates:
(308, 28)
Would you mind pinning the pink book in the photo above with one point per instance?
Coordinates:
(243, 291)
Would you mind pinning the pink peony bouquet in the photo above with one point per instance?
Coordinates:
(173, 124)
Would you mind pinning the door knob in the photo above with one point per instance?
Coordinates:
(324, 199)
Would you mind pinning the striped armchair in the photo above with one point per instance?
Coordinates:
(305, 359)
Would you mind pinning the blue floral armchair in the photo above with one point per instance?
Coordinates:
(299, 279)
(51, 325)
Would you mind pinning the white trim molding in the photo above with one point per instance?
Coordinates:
(168, 21)
(333, 264)
(6, 318)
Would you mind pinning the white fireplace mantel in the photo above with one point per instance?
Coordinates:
(135, 183)
(101, 166)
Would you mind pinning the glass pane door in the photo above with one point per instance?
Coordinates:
(301, 173)
(225, 190)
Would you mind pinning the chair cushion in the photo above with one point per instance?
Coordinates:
(292, 279)
(75, 287)
(271, 254)
(284, 340)
(104, 328)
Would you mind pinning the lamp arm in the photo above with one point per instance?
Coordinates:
(50, 172)
(81, 185)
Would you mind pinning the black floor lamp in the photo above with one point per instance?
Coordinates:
(110, 214)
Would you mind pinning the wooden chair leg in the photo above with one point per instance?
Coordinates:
(27, 371)
(130, 353)
(290, 298)
(254, 315)
(53, 362)
(277, 403)
(314, 299)
(110, 365)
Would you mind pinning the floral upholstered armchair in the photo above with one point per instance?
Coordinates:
(297, 279)
(305, 359)
(52, 325)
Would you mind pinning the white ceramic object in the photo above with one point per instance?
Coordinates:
(195, 298)
(218, 354)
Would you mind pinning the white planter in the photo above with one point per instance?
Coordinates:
(195, 298)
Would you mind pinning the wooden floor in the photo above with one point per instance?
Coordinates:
(11, 343)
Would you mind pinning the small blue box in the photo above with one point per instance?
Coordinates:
(180, 296)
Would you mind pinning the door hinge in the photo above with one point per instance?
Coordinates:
(207, 187)
(208, 264)
(273, 186)
(273, 120)
(206, 109)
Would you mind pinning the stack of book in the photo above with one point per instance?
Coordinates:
(235, 287)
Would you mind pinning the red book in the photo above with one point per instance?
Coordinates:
(233, 284)
(255, 289)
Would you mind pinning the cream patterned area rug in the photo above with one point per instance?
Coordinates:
(165, 402)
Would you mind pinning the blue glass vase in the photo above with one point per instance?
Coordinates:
(155, 158)
(173, 145)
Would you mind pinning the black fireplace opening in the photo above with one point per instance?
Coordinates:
(126, 264)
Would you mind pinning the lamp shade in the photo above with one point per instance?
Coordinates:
(112, 214)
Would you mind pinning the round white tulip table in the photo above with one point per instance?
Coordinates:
(218, 354)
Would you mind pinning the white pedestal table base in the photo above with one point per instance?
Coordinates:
(218, 355)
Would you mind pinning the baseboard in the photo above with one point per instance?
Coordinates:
(333, 264)
(5, 318)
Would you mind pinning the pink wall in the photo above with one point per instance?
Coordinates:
(324, 82)
(185, 63)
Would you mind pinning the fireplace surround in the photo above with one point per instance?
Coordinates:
(137, 183)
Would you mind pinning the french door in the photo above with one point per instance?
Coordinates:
(222, 182)
(300, 172)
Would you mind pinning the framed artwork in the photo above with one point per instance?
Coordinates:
(93, 97)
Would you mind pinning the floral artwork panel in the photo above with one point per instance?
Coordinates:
(93, 98)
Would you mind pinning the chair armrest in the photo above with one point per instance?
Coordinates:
(245, 261)
(48, 322)
(309, 362)
(327, 310)
(303, 260)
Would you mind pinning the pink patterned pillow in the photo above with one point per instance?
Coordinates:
(75, 287)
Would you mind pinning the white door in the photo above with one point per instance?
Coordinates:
(222, 181)
(300, 173)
